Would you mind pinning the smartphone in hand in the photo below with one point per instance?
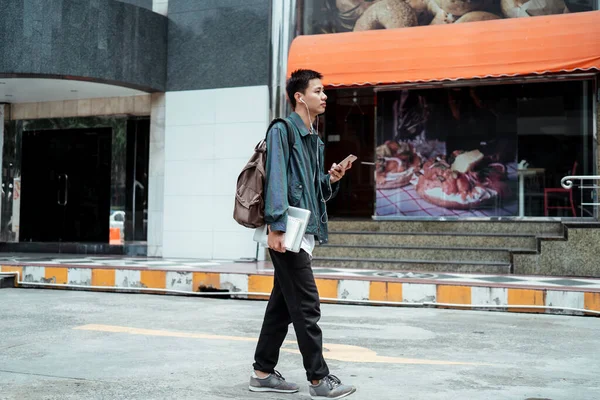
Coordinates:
(350, 159)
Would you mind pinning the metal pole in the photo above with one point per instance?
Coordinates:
(2, 114)
(595, 102)
(283, 21)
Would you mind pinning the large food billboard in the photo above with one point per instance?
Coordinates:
(332, 16)
(446, 152)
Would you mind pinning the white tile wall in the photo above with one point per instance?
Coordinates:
(233, 245)
(194, 107)
(156, 196)
(189, 178)
(226, 174)
(240, 105)
(209, 137)
(188, 244)
(189, 213)
(155, 233)
(232, 140)
(160, 6)
(223, 214)
(157, 155)
(190, 142)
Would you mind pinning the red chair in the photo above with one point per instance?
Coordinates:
(547, 191)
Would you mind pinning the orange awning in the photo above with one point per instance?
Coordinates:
(497, 48)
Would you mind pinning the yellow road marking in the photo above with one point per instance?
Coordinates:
(338, 352)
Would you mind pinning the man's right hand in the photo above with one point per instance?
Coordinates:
(276, 241)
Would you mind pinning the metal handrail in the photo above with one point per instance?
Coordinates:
(567, 181)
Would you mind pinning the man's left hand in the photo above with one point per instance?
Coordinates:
(337, 172)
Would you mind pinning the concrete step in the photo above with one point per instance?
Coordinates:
(7, 281)
(412, 253)
(438, 239)
(503, 227)
(490, 267)
(577, 256)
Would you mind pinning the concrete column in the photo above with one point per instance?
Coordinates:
(156, 180)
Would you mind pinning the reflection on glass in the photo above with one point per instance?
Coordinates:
(138, 151)
(129, 216)
(116, 223)
(554, 123)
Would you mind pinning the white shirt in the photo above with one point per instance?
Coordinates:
(308, 244)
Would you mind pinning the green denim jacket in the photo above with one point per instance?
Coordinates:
(295, 177)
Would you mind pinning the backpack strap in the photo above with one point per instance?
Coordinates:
(291, 135)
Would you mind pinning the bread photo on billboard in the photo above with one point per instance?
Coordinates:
(532, 8)
(469, 181)
(396, 164)
(387, 14)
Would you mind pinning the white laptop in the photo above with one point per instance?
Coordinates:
(297, 221)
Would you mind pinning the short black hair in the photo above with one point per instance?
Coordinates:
(298, 82)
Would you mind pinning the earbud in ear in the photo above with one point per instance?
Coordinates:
(302, 100)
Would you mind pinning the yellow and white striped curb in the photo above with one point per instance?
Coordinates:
(331, 289)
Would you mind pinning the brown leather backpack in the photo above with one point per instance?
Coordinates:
(249, 208)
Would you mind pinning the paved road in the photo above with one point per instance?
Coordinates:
(90, 345)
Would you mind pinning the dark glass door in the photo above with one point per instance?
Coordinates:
(349, 126)
(65, 186)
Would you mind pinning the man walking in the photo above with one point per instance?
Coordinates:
(295, 177)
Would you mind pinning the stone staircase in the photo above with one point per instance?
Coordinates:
(434, 246)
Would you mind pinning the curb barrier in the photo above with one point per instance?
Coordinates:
(332, 290)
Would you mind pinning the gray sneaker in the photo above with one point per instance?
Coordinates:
(329, 388)
(272, 383)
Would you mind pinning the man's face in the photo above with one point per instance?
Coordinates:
(314, 97)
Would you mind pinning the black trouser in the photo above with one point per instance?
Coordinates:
(294, 299)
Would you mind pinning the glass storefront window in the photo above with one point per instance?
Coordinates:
(334, 16)
(138, 150)
(484, 151)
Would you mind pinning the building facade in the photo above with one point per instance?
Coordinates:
(126, 123)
